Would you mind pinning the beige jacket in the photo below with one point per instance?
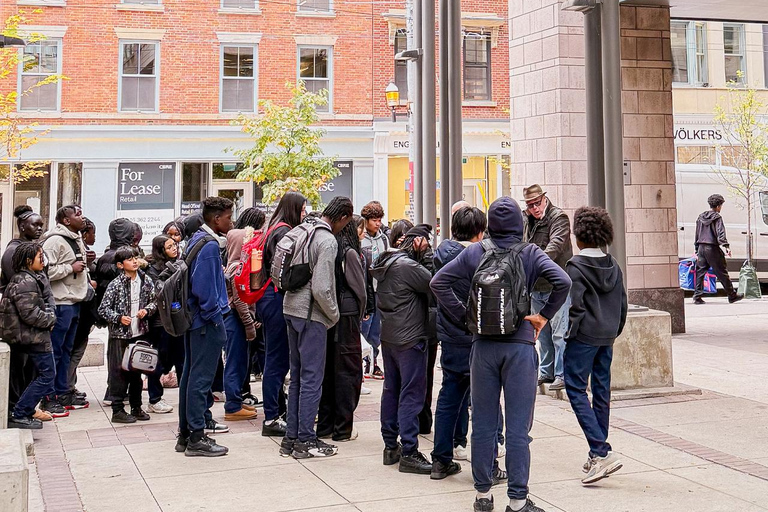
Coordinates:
(68, 288)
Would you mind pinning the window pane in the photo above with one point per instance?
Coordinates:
(38, 98)
(230, 61)
(306, 62)
(317, 86)
(246, 61)
(35, 192)
(130, 59)
(314, 5)
(141, 1)
(696, 155)
(321, 63)
(732, 39)
(732, 66)
(47, 96)
(227, 171)
(49, 57)
(146, 93)
(31, 59)
(677, 34)
(243, 4)
(147, 59)
(194, 181)
(237, 95)
(129, 93)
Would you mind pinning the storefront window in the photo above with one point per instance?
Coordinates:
(696, 155)
(70, 184)
(227, 170)
(194, 181)
(35, 192)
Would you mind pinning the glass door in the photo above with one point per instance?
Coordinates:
(240, 193)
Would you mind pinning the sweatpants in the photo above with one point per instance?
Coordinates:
(276, 357)
(511, 368)
(405, 386)
(583, 361)
(709, 255)
(307, 341)
(122, 384)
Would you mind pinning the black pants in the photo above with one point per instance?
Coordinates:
(343, 375)
(171, 354)
(22, 373)
(255, 359)
(711, 256)
(81, 343)
(121, 382)
(425, 416)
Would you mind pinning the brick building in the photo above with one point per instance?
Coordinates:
(153, 85)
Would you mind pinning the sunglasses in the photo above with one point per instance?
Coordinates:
(535, 204)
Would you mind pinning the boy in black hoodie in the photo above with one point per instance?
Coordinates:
(597, 316)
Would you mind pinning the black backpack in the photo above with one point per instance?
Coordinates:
(172, 294)
(292, 264)
(498, 297)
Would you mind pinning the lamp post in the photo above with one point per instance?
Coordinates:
(11, 42)
(393, 99)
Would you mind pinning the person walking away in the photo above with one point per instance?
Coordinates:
(344, 354)
(208, 304)
(289, 213)
(710, 235)
(506, 362)
(127, 305)
(70, 284)
(548, 227)
(403, 297)
(377, 242)
(27, 314)
(596, 318)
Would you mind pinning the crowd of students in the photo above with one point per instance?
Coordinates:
(365, 283)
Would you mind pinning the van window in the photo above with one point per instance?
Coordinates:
(764, 205)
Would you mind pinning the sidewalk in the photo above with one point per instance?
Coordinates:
(705, 452)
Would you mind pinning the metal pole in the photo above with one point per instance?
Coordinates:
(428, 111)
(416, 139)
(614, 154)
(445, 164)
(593, 55)
(454, 100)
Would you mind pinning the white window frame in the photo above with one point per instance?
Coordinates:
(329, 106)
(59, 45)
(742, 44)
(142, 2)
(120, 75)
(310, 12)
(254, 7)
(255, 78)
(698, 76)
(486, 37)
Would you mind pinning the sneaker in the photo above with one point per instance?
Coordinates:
(286, 446)
(557, 385)
(601, 467)
(139, 414)
(313, 448)
(71, 401)
(440, 470)
(181, 442)
(367, 367)
(122, 417)
(248, 407)
(161, 407)
(546, 380)
(106, 403)
(54, 408)
(698, 300)
(365, 391)
(241, 415)
(587, 465)
(498, 476)
(274, 428)
(460, 453)
(214, 427)
(205, 447)
(79, 393)
(529, 507)
(483, 504)
(218, 396)
(25, 422)
(415, 463)
(42, 415)
(392, 455)
(736, 297)
(502, 450)
(377, 373)
(251, 400)
(354, 435)
(258, 377)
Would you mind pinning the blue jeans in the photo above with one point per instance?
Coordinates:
(203, 348)
(511, 367)
(581, 362)
(552, 337)
(40, 387)
(307, 341)
(236, 367)
(276, 354)
(371, 331)
(405, 387)
(452, 402)
(63, 339)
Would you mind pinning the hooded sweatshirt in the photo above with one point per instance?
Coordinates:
(710, 230)
(235, 240)
(6, 264)
(208, 301)
(447, 330)
(598, 300)
(68, 288)
(120, 234)
(505, 227)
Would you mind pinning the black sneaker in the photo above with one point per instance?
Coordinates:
(27, 423)
(274, 428)
(286, 447)
(54, 408)
(736, 297)
(122, 417)
(529, 507)
(181, 442)
(81, 394)
(415, 463)
(498, 476)
(392, 455)
(546, 380)
(214, 427)
(139, 414)
(698, 300)
(252, 400)
(440, 470)
(205, 447)
(314, 448)
(483, 504)
(70, 401)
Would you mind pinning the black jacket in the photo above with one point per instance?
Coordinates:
(598, 300)
(351, 284)
(120, 234)
(27, 312)
(403, 299)
(449, 331)
(552, 233)
(710, 230)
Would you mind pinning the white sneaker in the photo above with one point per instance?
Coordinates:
(502, 451)
(460, 453)
(354, 435)
(601, 467)
(218, 396)
(161, 407)
(365, 390)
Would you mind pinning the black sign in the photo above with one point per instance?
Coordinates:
(688, 134)
(146, 186)
(341, 185)
(190, 207)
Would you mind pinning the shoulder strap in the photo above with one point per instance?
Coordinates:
(518, 247)
(488, 245)
(193, 252)
(72, 244)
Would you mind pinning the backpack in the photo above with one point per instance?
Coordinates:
(498, 296)
(250, 284)
(172, 294)
(291, 265)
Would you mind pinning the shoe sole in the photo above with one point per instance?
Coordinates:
(414, 471)
(214, 432)
(124, 422)
(180, 449)
(604, 473)
(59, 414)
(272, 433)
(189, 453)
(159, 412)
(76, 407)
(440, 476)
(26, 427)
(239, 418)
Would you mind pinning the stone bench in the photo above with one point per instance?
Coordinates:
(14, 472)
(94, 353)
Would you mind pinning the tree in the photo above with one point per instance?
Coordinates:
(286, 153)
(15, 135)
(744, 151)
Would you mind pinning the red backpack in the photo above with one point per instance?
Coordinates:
(251, 284)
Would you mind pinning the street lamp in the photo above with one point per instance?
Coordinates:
(11, 42)
(393, 99)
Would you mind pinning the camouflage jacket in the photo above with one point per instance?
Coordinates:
(117, 303)
(25, 315)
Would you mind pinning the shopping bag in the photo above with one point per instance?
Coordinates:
(687, 276)
(749, 286)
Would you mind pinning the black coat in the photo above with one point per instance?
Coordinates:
(26, 315)
(449, 331)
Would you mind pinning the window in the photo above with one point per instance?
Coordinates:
(315, 69)
(238, 79)
(194, 181)
(705, 155)
(764, 205)
(35, 192)
(138, 77)
(689, 52)
(733, 38)
(477, 67)
(239, 4)
(40, 61)
(70, 184)
(401, 66)
(227, 171)
(153, 2)
(315, 6)
(734, 156)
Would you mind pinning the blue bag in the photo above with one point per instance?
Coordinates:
(687, 276)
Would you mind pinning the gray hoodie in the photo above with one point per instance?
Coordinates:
(68, 288)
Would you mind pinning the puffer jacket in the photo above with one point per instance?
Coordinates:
(449, 331)
(120, 234)
(403, 299)
(710, 230)
(552, 234)
(117, 303)
(26, 316)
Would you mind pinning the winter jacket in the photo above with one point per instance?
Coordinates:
(320, 291)
(552, 234)
(68, 288)
(505, 227)
(403, 299)
(26, 317)
(351, 284)
(208, 301)
(598, 300)
(159, 273)
(449, 331)
(117, 303)
(120, 235)
(710, 230)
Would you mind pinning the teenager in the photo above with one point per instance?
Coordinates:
(377, 243)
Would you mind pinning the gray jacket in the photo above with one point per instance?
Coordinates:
(322, 286)
(68, 287)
